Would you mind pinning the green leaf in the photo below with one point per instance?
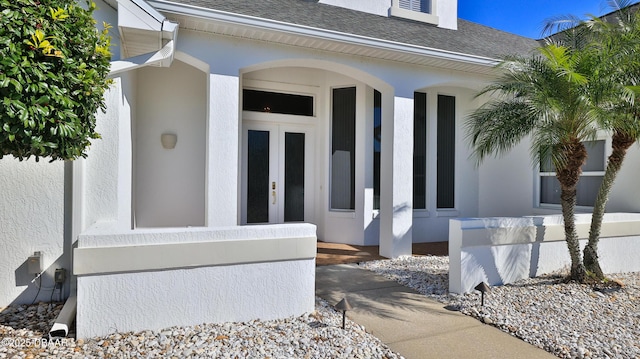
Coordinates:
(49, 104)
(16, 85)
(43, 100)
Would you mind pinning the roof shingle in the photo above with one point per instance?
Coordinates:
(470, 38)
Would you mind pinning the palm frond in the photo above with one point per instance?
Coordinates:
(498, 126)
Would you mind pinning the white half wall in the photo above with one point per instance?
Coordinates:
(156, 300)
(503, 250)
(153, 279)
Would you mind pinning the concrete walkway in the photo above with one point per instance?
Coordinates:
(410, 323)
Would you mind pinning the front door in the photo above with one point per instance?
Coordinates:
(277, 178)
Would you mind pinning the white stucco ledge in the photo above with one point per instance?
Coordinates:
(503, 250)
(191, 247)
(102, 234)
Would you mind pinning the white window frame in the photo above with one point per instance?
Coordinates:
(540, 174)
(431, 18)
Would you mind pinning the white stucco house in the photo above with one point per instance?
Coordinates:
(240, 132)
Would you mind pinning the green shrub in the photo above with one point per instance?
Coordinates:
(53, 74)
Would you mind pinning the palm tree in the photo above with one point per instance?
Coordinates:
(613, 42)
(541, 97)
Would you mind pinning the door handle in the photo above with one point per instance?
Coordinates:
(273, 191)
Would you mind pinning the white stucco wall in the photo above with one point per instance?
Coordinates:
(31, 219)
(507, 184)
(447, 11)
(106, 190)
(163, 299)
(170, 183)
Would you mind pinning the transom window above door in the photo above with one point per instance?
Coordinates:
(277, 102)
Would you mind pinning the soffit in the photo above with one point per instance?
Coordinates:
(213, 21)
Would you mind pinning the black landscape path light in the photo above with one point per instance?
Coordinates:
(483, 288)
(343, 305)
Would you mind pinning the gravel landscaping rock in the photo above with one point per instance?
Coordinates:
(569, 320)
(316, 335)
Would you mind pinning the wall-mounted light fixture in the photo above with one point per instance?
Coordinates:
(169, 140)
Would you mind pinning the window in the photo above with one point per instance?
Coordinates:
(377, 136)
(419, 150)
(416, 5)
(589, 183)
(275, 102)
(446, 151)
(343, 149)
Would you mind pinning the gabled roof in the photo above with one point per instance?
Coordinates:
(470, 38)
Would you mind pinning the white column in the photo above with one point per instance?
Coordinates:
(222, 151)
(396, 207)
(125, 156)
(370, 236)
(107, 173)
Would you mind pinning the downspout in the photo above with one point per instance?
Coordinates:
(162, 58)
(73, 174)
(60, 328)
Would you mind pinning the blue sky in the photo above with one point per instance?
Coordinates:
(526, 17)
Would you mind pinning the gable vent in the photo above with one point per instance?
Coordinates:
(416, 5)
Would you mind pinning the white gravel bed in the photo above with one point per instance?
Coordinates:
(316, 335)
(569, 320)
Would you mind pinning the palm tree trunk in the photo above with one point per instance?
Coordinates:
(568, 176)
(568, 201)
(620, 144)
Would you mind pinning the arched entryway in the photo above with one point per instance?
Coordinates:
(308, 147)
